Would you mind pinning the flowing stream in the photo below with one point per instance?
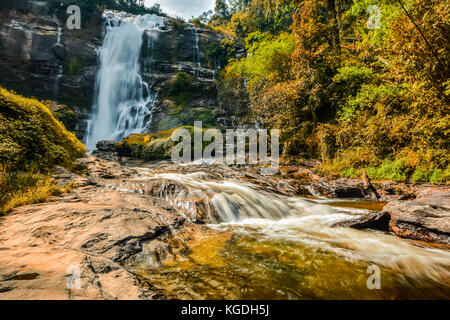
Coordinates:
(124, 101)
(272, 246)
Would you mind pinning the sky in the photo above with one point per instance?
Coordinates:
(183, 8)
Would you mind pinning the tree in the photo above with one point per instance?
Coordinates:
(221, 10)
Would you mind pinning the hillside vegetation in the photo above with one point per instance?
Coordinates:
(346, 85)
(31, 142)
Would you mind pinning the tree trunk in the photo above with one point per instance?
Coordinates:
(332, 20)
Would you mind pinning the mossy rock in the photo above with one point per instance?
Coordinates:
(31, 137)
(152, 146)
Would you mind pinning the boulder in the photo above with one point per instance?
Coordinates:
(106, 146)
(59, 51)
(373, 220)
(425, 219)
(350, 188)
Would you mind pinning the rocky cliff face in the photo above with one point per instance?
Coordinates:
(174, 52)
(40, 57)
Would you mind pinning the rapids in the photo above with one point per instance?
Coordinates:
(280, 233)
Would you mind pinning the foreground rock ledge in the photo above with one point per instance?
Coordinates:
(95, 229)
(425, 219)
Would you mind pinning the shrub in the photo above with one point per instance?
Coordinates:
(351, 173)
(180, 88)
(72, 67)
(421, 175)
(389, 170)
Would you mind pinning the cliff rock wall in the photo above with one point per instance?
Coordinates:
(40, 57)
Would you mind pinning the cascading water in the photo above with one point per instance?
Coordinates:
(196, 54)
(297, 230)
(58, 64)
(124, 100)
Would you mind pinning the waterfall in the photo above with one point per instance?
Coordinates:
(58, 64)
(196, 55)
(123, 100)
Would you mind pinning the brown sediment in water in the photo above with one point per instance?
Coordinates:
(368, 205)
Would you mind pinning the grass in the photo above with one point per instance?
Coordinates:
(40, 191)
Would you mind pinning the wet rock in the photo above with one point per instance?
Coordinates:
(106, 146)
(59, 51)
(373, 220)
(425, 219)
(347, 188)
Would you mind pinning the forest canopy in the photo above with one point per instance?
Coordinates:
(356, 84)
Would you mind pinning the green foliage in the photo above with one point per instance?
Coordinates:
(431, 175)
(178, 25)
(66, 116)
(358, 15)
(348, 94)
(389, 170)
(217, 54)
(31, 137)
(31, 142)
(351, 173)
(89, 6)
(181, 88)
(197, 114)
(268, 58)
(73, 67)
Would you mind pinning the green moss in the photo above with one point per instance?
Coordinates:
(32, 137)
(64, 114)
(200, 114)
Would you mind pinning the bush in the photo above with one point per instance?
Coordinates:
(73, 67)
(351, 173)
(180, 88)
(389, 170)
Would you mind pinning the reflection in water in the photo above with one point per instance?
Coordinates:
(286, 248)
